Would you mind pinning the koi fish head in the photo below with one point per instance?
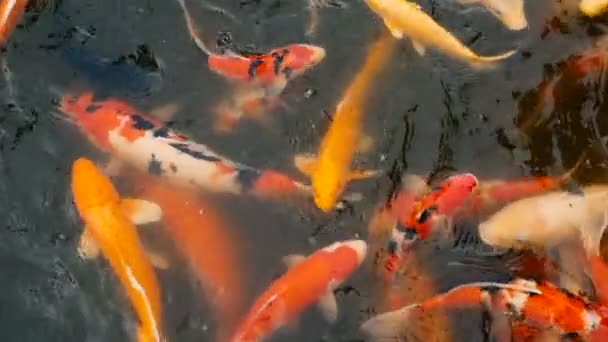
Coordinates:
(298, 58)
(326, 190)
(511, 13)
(90, 187)
(593, 8)
(95, 118)
(345, 257)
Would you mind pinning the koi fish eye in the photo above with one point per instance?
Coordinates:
(410, 233)
(426, 214)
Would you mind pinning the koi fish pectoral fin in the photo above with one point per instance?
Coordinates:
(394, 29)
(88, 247)
(141, 211)
(157, 260)
(419, 47)
(293, 259)
(363, 174)
(305, 163)
(329, 306)
(389, 325)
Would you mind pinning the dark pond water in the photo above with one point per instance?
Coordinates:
(426, 115)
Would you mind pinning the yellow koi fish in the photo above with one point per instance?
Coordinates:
(330, 169)
(110, 229)
(406, 19)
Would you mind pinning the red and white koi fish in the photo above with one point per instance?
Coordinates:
(144, 143)
(202, 235)
(265, 69)
(310, 279)
(539, 305)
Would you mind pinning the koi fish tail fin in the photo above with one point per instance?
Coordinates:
(145, 334)
(388, 326)
(489, 62)
(274, 184)
(192, 31)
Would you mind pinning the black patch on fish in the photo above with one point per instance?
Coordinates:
(162, 132)
(253, 68)
(571, 336)
(92, 108)
(410, 233)
(155, 167)
(185, 148)
(287, 72)
(491, 290)
(427, 213)
(247, 177)
(278, 60)
(141, 123)
(392, 246)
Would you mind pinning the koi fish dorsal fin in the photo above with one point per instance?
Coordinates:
(293, 259)
(141, 211)
(329, 306)
(87, 247)
(305, 163)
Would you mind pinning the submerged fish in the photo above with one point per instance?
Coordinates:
(510, 12)
(310, 279)
(205, 240)
(406, 19)
(109, 228)
(330, 170)
(144, 143)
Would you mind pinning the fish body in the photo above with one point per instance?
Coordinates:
(144, 143)
(330, 170)
(309, 280)
(10, 13)
(547, 220)
(593, 8)
(109, 230)
(204, 238)
(266, 69)
(539, 305)
(510, 12)
(406, 19)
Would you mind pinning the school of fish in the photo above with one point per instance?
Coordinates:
(557, 288)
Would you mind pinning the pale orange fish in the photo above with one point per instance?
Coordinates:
(204, 238)
(110, 229)
(330, 170)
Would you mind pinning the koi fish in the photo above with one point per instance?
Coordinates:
(540, 305)
(593, 8)
(510, 12)
(262, 69)
(10, 13)
(203, 237)
(109, 228)
(547, 220)
(147, 145)
(406, 19)
(330, 169)
(310, 279)
(251, 102)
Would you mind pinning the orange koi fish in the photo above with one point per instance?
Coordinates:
(310, 279)
(109, 228)
(540, 305)
(330, 169)
(202, 236)
(10, 13)
(147, 145)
